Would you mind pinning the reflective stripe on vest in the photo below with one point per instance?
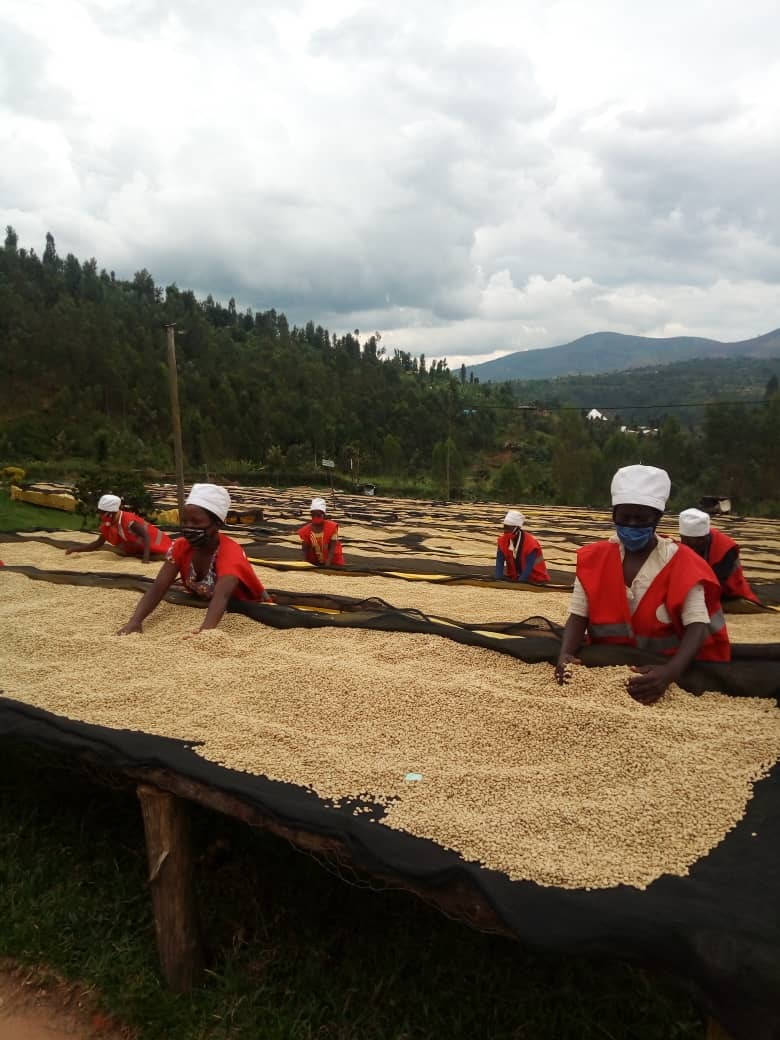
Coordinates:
(618, 630)
(158, 538)
(657, 644)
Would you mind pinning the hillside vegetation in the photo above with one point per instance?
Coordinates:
(84, 385)
(645, 396)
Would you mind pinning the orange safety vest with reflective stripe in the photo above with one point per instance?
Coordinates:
(733, 583)
(528, 545)
(317, 538)
(119, 533)
(600, 570)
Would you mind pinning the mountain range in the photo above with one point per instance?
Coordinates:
(612, 351)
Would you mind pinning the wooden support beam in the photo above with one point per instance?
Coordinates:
(171, 878)
(457, 899)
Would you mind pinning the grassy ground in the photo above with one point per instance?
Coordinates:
(20, 516)
(294, 953)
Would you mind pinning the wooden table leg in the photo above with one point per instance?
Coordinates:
(715, 1031)
(171, 877)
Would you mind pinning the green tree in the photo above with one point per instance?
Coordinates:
(575, 462)
(275, 461)
(50, 258)
(392, 454)
(508, 483)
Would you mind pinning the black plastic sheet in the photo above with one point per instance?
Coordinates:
(717, 930)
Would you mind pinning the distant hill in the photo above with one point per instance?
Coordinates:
(644, 396)
(613, 352)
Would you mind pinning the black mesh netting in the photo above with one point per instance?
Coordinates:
(717, 929)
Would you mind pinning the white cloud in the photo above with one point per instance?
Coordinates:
(466, 178)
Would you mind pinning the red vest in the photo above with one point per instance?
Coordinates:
(119, 533)
(734, 584)
(529, 545)
(600, 571)
(317, 541)
(230, 560)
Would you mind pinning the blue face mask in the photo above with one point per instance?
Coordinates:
(634, 539)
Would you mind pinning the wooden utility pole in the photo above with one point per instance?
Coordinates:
(178, 451)
(450, 403)
(449, 435)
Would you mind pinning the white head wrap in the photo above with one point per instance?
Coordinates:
(694, 523)
(641, 486)
(211, 497)
(318, 504)
(514, 518)
(109, 503)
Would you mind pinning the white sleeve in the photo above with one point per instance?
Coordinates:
(579, 600)
(694, 608)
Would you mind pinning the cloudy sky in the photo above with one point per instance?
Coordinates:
(466, 178)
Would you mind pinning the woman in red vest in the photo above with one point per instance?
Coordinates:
(320, 538)
(519, 555)
(130, 534)
(640, 590)
(211, 565)
(720, 552)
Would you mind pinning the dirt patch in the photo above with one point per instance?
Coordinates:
(35, 1005)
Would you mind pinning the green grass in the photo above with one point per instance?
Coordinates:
(20, 516)
(294, 953)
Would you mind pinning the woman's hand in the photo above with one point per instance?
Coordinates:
(563, 668)
(649, 684)
(130, 628)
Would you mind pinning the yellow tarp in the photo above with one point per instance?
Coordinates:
(167, 516)
(48, 499)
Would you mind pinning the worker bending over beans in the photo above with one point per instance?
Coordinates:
(720, 552)
(519, 554)
(211, 565)
(320, 538)
(130, 534)
(639, 589)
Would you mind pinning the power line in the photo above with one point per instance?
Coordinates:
(542, 406)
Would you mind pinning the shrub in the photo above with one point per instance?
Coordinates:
(12, 474)
(91, 484)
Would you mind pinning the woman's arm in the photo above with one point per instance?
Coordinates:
(151, 598)
(304, 544)
(97, 544)
(530, 563)
(142, 531)
(573, 638)
(500, 563)
(223, 590)
(331, 551)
